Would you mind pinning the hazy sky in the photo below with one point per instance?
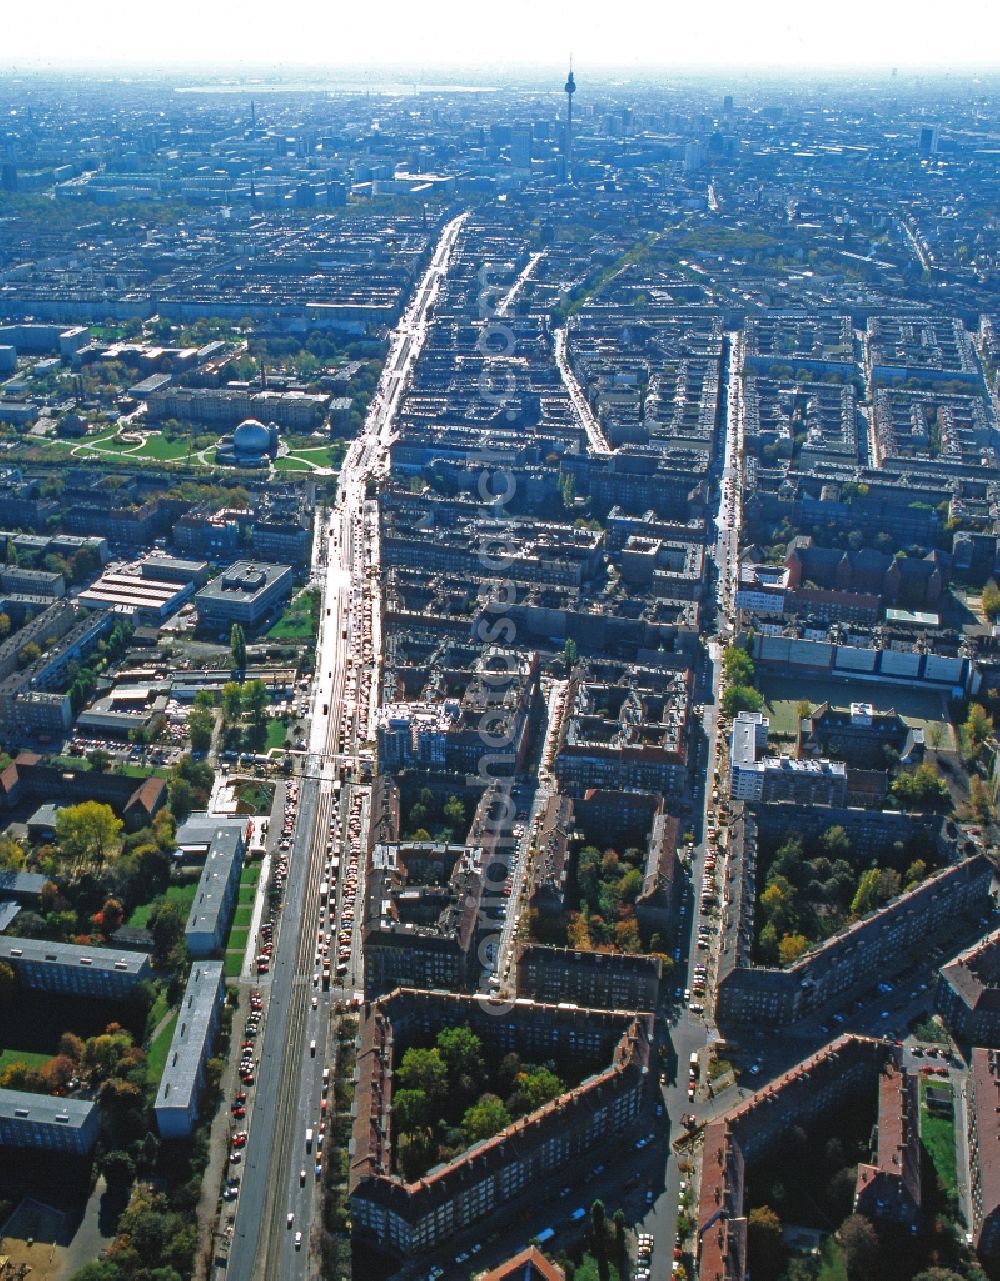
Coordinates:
(881, 33)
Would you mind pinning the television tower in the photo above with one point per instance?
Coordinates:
(570, 90)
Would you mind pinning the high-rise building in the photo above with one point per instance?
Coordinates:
(928, 141)
(520, 147)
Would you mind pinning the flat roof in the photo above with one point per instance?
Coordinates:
(41, 952)
(179, 1081)
(244, 580)
(225, 849)
(44, 1109)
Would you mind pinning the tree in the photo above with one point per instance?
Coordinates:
(232, 702)
(88, 831)
(238, 649)
(409, 1109)
(8, 983)
(737, 665)
(200, 725)
(534, 1089)
(28, 655)
(111, 915)
(71, 1046)
(868, 895)
(166, 924)
(835, 843)
(12, 855)
(57, 1072)
(181, 795)
(462, 1052)
(5, 626)
(920, 788)
(991, 599)
(99, 1270)
(861, 1248)
(569, 654)
(423, 1070)
(978, 727)
(484, 1118)
(255, 701)
(100, 760)
(741, 698)
(205, 699)
(768, 944)
(791, 948)
(118, 1168)
(454, 813)
(766, 1254)
(979, 798)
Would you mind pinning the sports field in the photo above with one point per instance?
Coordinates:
(922, 709)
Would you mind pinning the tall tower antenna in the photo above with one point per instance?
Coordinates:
(570, 90)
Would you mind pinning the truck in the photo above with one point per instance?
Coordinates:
(693, 1065)
(309, 1139)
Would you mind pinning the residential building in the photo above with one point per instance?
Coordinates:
(218, 888)
(602, 980)
(71, 969)
(755, 777)
(176, 1105)
(478, 1184)
(47, 1123)
(983, 1111)
(967, 993)
(888, 1188)
(752, 1129)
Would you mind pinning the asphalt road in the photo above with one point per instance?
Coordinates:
(288, 1089)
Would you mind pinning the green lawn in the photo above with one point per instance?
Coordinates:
(250, 874)
(182, 895)
(28, 1057)
(275, 735)
(246, 895)
(290, 464)
(243, 913)
(296, 623)
(587, 1270)
(321, 456)
(164, 450)
(156, 1055)
(156, 1011)
(938, 1135)
(232, 965)
(828, 1265)
(238, 937)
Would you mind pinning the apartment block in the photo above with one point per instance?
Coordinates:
(983, 1110)
(888, 1188)
(605, 980)
(967, 993)
(753, 1128)
(408, 1218)
(218, 887)
(176, 1104)
(46, 1123)
(68, 968)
